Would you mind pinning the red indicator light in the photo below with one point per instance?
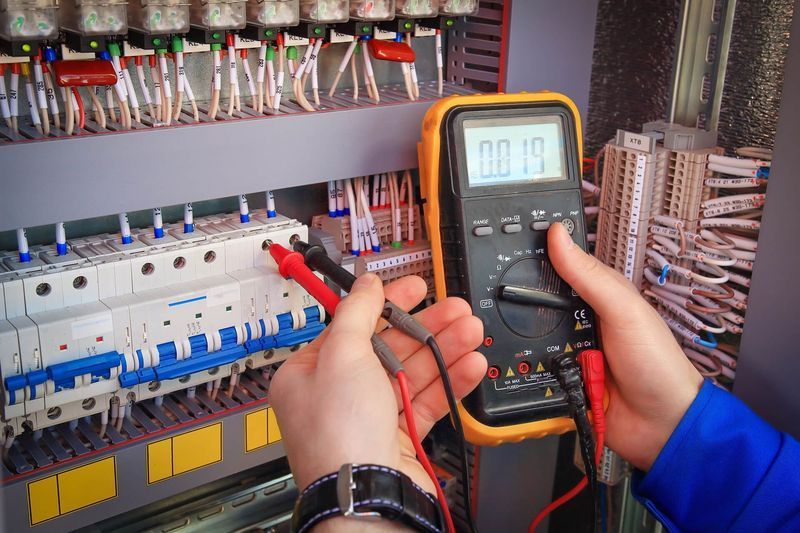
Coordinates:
(99, 339)
(62, 347)
(493, 372)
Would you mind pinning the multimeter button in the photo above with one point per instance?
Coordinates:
(540, 225)
(569, 224)
(512, 228)
(482, 231)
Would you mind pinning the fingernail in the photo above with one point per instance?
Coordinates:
(364, 281)
(563, 237)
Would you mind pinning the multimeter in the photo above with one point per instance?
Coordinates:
(496, 171)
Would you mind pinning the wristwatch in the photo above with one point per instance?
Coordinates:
(367, 492)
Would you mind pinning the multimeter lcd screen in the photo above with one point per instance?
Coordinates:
(514, 150)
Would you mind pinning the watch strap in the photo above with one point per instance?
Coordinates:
(367, 492)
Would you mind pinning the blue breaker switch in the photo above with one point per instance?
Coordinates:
(35, 378)
(99, 367)
(15, 384)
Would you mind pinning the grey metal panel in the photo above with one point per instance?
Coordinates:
(515, 483)
(769, 366)
(132, 488)
(550, 46)
(69, 179)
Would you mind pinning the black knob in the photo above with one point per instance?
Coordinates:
(532, 298)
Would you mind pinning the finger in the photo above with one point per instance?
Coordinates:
(613, 297)
(431, 403)
(355, 319)
(406, 292)
(460, 337)
(435, 318)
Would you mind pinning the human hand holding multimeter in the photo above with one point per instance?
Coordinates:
(496, 172)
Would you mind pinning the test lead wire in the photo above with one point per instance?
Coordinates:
(52, 101)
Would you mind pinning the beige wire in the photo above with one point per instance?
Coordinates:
(354, 72)
(335, 83)
(178, 105)
(45, 121)
(300, 95)
(69, 114)
(125, 114)
(99, 111)
(48, 81)
(111, 111)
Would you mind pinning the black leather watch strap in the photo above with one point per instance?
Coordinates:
(368, 492)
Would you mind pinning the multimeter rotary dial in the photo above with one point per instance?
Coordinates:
(531, 298)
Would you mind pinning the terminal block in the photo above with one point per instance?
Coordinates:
(394, 263)
(339, 227)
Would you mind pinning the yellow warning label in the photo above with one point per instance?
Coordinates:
(568, 349)
(510, 373)
(183, 453)
(540, 367)
(548, 392)
(260, 429)
(71, 490)
(578, 326)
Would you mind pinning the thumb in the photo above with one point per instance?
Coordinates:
(355, 320)
(612, 296)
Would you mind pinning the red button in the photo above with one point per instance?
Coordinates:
(523, 368)
(493, 372)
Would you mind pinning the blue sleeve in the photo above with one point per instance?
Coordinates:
(724, 469)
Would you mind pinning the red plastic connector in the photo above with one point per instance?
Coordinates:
(84, 73)
(392, 51)
(292, 265)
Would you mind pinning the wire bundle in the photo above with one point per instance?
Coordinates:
(698, 280)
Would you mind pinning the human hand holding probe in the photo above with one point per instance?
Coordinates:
(341, 377)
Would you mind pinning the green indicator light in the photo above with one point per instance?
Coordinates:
(449, 22)
(215, 35)
(268, 33)
(407, 25)
(26, 47)
(93, 44)
(365, 29)
(317, 31)
(156, 41)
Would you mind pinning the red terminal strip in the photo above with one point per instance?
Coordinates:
(392, 51)
(84, 73)
(292, 265)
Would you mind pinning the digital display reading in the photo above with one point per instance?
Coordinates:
(514, 150)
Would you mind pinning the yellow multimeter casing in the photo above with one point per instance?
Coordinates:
(495, 171)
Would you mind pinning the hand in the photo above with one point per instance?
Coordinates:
(652, 382)
(335, 403)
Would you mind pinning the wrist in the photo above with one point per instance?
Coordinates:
(349, 525)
